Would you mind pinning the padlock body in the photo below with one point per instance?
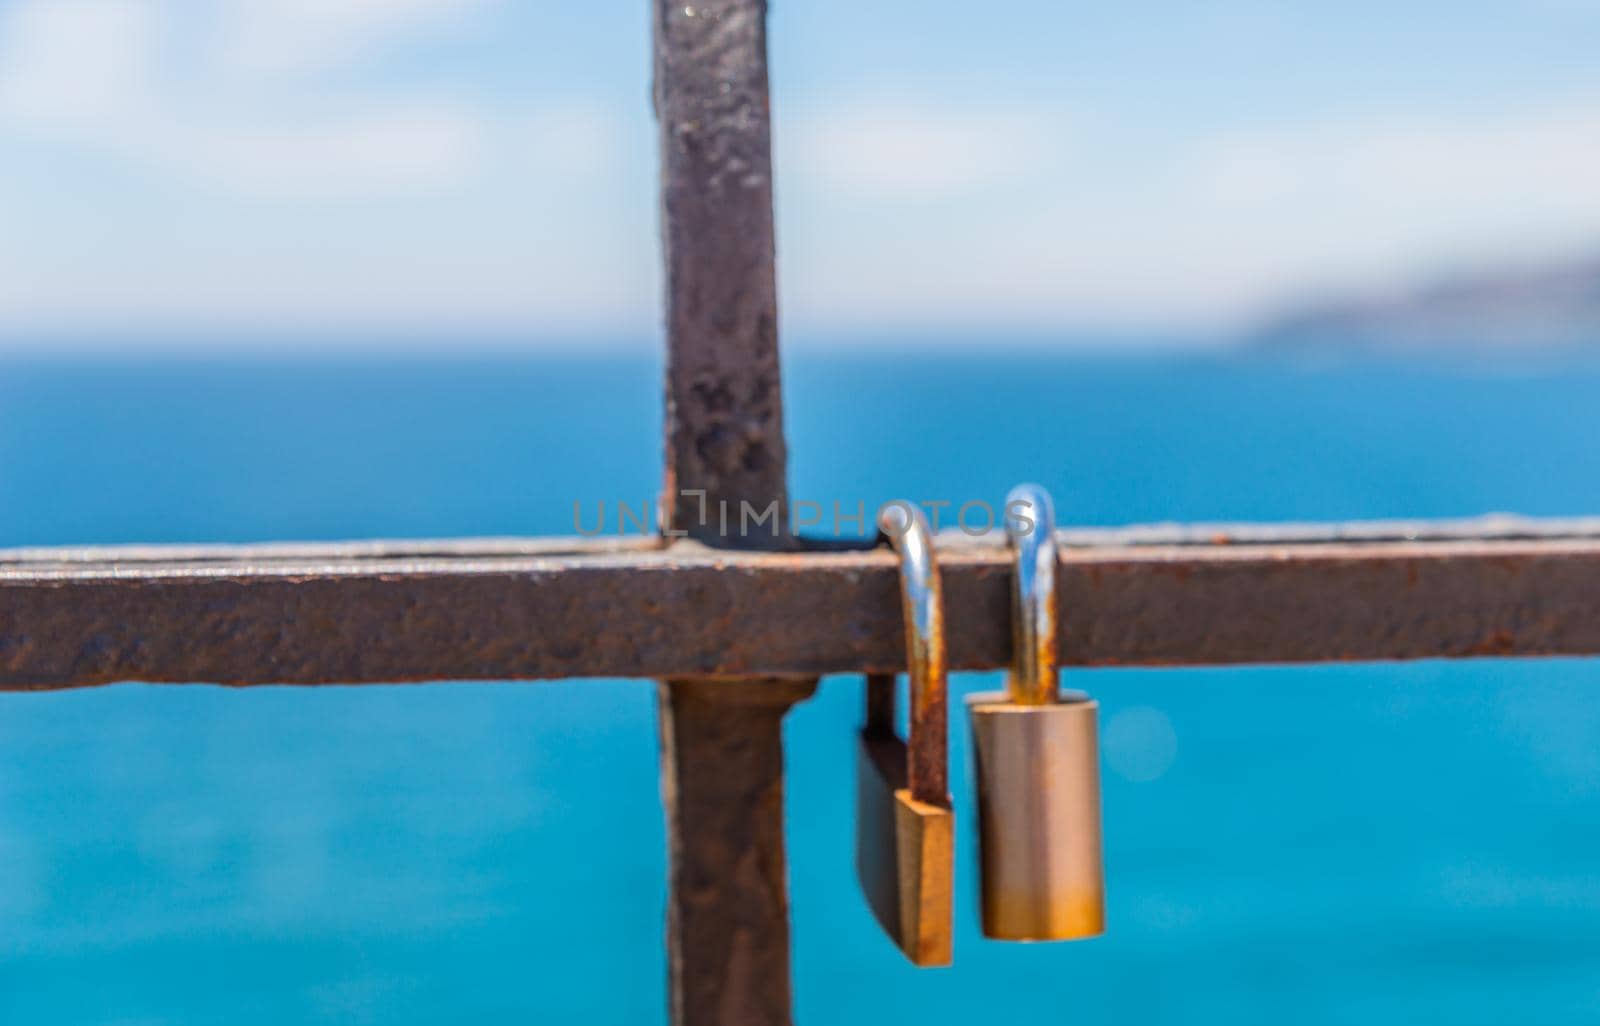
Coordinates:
(905, 854)
(1038, 782)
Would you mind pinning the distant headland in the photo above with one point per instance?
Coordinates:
(1548, 310)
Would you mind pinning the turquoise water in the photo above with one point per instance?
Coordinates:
(1317, 845)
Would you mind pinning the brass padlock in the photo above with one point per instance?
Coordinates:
(1037, 762)
(905, 829)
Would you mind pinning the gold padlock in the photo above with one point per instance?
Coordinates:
(1037, 762)
(905, 829)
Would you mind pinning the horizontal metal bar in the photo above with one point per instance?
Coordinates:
(1492, 527)
(513, 609)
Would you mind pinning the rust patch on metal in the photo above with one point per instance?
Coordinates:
(1499, 643)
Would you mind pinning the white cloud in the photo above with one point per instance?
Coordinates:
(1203, 230)
(512, 222)
(1294, 208)
(896, 212)
(401, 151)
(75, 64)
(1416, 175)
(296, 36)
(884, 151)
(82, 71)
(573, 140)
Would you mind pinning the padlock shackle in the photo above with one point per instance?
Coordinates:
(1031, 528)
(922, 608)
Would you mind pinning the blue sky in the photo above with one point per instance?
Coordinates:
(357, 172)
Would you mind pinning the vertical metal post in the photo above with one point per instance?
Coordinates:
(721, 740)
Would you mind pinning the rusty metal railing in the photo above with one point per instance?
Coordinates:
(738, 636)
(561, 608)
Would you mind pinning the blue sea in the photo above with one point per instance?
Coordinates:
(1343, 844)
